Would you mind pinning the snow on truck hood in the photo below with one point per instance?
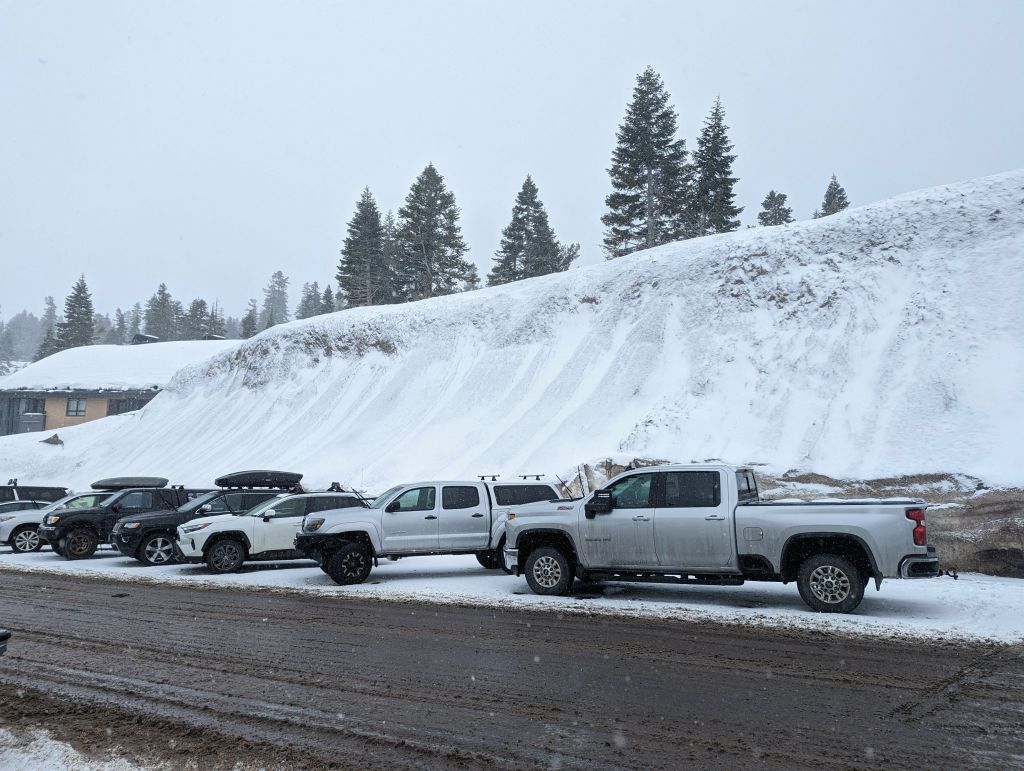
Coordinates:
(880, 341)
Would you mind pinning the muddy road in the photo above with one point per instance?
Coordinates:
(276, 680)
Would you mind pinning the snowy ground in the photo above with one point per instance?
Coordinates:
(975, 607)
(41, 753)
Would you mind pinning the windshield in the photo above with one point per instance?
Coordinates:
(79, 501)
(380, 500)
(195, 503)
(257, 510)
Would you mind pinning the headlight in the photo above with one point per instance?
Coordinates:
(193, 528)
(6, 517)
(312, 525)
(52, 519)
(131, 525)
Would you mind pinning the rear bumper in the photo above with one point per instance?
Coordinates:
(920, 565)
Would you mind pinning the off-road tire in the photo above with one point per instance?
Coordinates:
(25, 539)
(225, 555)
(350, 564)
(829, 583)
(55, 548)
(80, 544)
(549, 571)
(156, 549)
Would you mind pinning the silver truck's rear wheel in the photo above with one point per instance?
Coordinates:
(829, 583)
(26, 539)
(349, 565)
(549, 571)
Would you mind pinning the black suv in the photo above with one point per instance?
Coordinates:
(149, 538)
(12, 491)
(76, 533)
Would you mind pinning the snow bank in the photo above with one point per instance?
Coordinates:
(880, 341)
(114, 367)
(972, 608)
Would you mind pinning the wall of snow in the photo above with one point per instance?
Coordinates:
(883, 340)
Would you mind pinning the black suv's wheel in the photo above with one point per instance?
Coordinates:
(26, 539)
(549, 571)
(225, 556)
(349, 565)
(156, 549)
(829, 583)
(80, 544)
(55, 548)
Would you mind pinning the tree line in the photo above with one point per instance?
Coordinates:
(661, 192)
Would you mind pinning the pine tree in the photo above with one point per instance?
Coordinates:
(77, 327)
(309, 304)
(528, 244)
(216, 325)
(774, 210)
(327, 300)
(118, 334)
(195, 322)
(48, 346)
(275, 301)
(135, 322)
(711, 207)
(430, 249)
(834, 201)
(364, 276)
(161, 315)
(649, 173)
(103, 328)
(249, 321)
(48, 342)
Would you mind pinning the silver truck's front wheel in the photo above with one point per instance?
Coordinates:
(549, 571)
(829, 583)
(349, 565)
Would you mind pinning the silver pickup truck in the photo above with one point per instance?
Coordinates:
(706, 524)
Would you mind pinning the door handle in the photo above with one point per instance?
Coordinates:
(641, 519)
(715, 518)
(477, 515)
(430, 516)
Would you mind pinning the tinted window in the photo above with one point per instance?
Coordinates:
(18, 505)
(249, 500)
(329, 502)
(138, 499)
(290, 507)
(517, 495)
(746, 486)
(50, 494)
(462, 497)
(417, 499)
(692, 489)
(6, 494)
(86, 501)
(633, 492)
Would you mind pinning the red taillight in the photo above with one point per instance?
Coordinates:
(920, 532)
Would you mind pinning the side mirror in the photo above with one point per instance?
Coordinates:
(601, 503)
(392, 507)
(266, 515)
(206, 508)
(115, 507)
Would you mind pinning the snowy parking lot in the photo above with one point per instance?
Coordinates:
(974, 607)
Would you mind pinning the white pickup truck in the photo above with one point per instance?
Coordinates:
(706, 524)
(417, 519)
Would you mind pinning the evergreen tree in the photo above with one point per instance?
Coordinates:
(24, 333)
(102, 328)
(834, 201)
(774, 210)
(134, 322)
(48, 343)
(250, 321)
(232, 328)
(275, 301)
(327, 300)
(430, 249)
(309, 302)
(364, 276)
(118, 334)
(161, 315)
(711, 207)
(649, 173)
(78, 326)
(195, 322)
(216, 324)
(528, 244)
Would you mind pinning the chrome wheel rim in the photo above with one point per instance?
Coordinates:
(352, 564)
(159, 550)
(830, 584)
(26, 540)
(225, 556)
(547, 572)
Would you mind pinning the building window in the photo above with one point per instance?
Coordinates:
(76, 408)
(121, 406)
(31, 406)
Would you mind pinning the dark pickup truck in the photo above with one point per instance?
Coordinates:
(150, 537)
(76, 533)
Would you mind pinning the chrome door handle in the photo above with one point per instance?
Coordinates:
(430, 516)
(715, 518)
(477, 515)
(641, 519)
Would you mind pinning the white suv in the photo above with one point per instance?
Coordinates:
(266, 532)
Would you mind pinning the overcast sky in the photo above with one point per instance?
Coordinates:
(207, 144)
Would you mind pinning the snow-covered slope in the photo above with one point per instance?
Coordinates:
(886, 339)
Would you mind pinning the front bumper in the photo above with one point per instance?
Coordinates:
(49, 533)
(310, 545)
(126, 542)
(189, 548)
(511, 557)
(920, 565)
